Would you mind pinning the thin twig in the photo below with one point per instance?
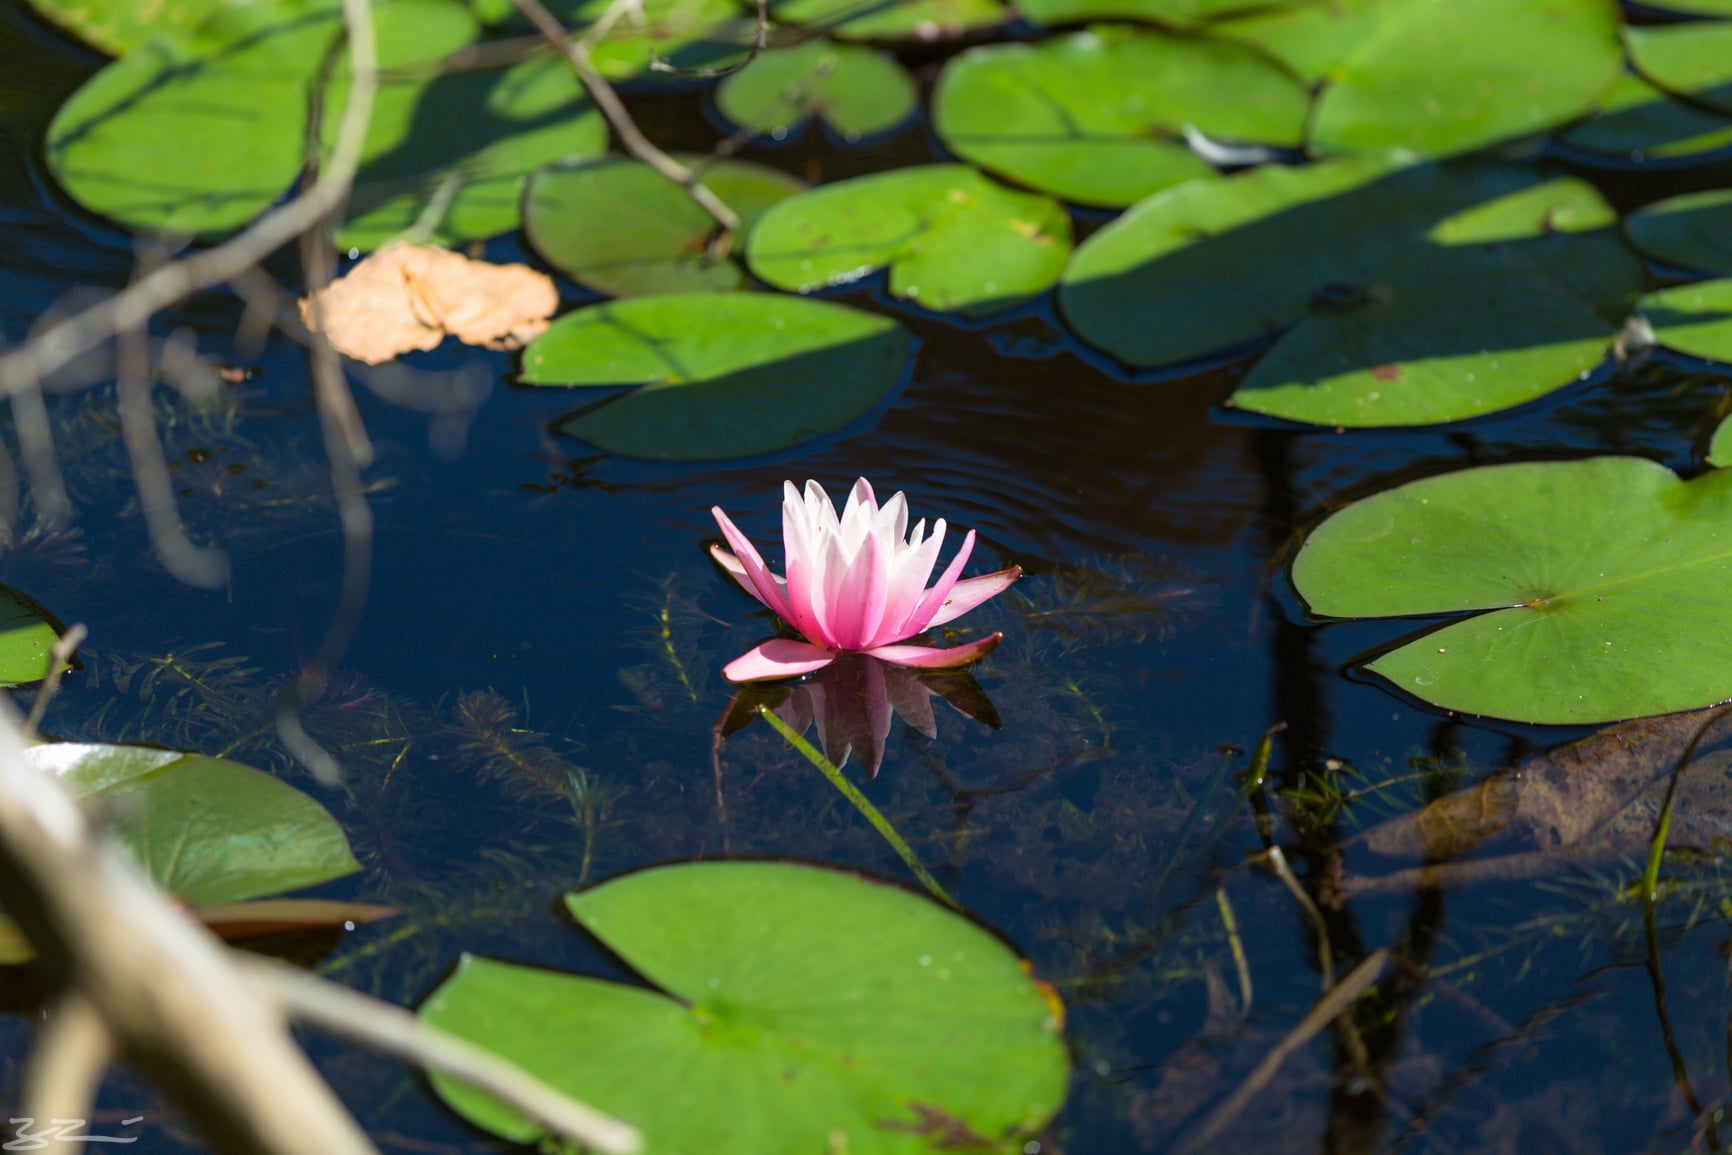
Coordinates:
(395, 1031)
(1237, 946)
(66, 1063)
(631, 138)
(59, 661)
(1325, 956)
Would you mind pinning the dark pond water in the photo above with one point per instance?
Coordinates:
(538, 609)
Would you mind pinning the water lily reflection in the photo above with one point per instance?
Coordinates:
(852, 701)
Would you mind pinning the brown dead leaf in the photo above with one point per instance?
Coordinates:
(408, 297)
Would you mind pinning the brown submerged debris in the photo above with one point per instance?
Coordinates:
(1593, 800)
(410, 297)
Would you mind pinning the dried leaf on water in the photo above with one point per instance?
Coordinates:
(409, 297)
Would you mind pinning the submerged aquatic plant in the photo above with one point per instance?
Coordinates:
(855, 584)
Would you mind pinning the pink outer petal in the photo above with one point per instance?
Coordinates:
(933, 600)
(759, 582)
(933, 658)
(778, 658)
(965, 595)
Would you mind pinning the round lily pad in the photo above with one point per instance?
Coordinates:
(1692, 7)
(855, 91)
(1597, 589)
(1441, 76)
(619, 227)
(203, 829)
(1637, 122)
(196, 133)
(1694, 319)
(462, 142)
(723, 374)
(1720, 446)
(27, 636)
(765, 1038)
(1396, 293)
(118, 26)
(954, 240)
(1693, 231)
(1693, 60)
(1097, 117)
(684, 36)
(902, 20)
(1170, 13)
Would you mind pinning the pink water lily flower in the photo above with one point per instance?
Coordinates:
(855, 584)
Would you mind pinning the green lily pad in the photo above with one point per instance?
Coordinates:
(855, 91)
(27, 636)
(1397, 293)
(689, 36)
(201, 132)
(926, 1032)
(1693, 60)
(1720, 445)
(1170, 13)
(1637, 122)
(1440, 77)
(1603, 587)
(1097, 117)
(119, 26)
(1693, 231)
(898, 20)
(723, 374)
(203, 829)
(954, 240)
(1692, 7)
(1694, 319)
(619, 227)
(464, 141)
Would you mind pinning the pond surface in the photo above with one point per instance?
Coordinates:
(531, 700)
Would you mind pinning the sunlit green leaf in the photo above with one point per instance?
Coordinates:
(1637, 122)
(897, 20)
(1693, 60)
(954, 240)
(1396, 293)
(1720, 446)
(1171, 13)
(1098, 117)
(856, 91)
(1442, 76)
(1693, 231)
(619, 227)
(1596, 589)
(1694, 319)
(119, 26)
(805, 1010)
(682, 35)
(723, 374)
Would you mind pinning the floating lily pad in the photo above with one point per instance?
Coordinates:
(683, 35)
(954, 240)
(619, 227)
(1694, 319)
(1693, 231)
(1605, 587)
(1639, 123)
(1441, 76)
(1397, 293)
(1693, 60)
(118, 26)
(201, 132)
(1692, 7)
(1171, 13)
(27, 636)
(464, 141)
(893, 20)
(925, 1032)
(855, 91)
(723, 374)
(1097, 117)
(1720, 446)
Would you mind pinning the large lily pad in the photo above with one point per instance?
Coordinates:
(1693, 231)
(462, 141)
(856, 91)
(1097, 117)
(1720, 445)
(1637, 122)
(1604, 587)
(1693, 60)
(675, 36)
(619, 227)
(891, 19)
(197, 133)
(1442, 76)
(27, 636)
(723, 374)
(1694, 319)
(118, 26)
(770, 1038)
(954, 240)
(1397, 293)
(1171, 13)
